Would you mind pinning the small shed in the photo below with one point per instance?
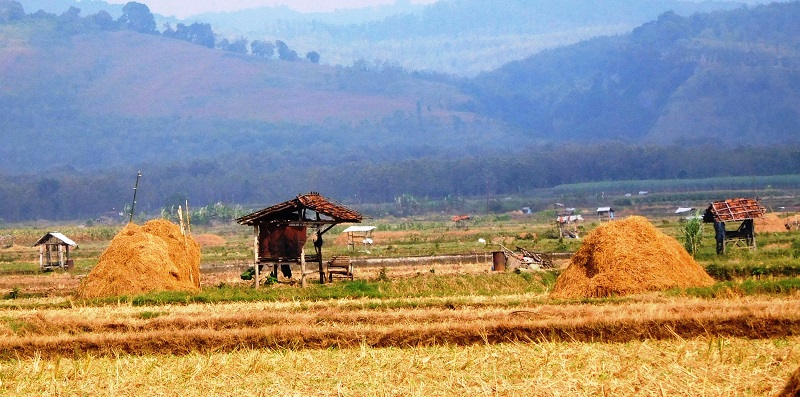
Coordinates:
(280, 233)
(567, 222)
(605, 214)
(54, 251)
(741, 210)
(360, 234)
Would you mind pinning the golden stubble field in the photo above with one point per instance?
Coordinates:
(509, 344)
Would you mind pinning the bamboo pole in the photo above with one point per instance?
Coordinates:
(180, 220)
(255, 252)
(188, 219)
(303, 267)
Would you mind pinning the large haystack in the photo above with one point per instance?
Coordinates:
(153, 257)
(626, 257)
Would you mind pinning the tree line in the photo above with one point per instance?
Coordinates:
(71, 195)
(138, 18)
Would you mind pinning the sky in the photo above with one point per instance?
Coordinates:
(185, 8)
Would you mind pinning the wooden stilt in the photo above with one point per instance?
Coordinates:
(255, 253)
(303, 281)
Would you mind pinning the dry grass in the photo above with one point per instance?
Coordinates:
(696, 367)
(461, 321)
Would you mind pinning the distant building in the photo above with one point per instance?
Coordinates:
(605, 214)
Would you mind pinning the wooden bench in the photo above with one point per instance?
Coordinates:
(341, 266)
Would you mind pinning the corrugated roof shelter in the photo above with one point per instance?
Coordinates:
(280, 231)
(354, 233)
(605, 213)
(54, 251)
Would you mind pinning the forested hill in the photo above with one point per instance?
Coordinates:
(87, 100)
(91, 92)
(723, 77)
(459, 37)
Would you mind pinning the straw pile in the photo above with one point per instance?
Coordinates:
(153, 257)
(626, 257)
(770, 223)
(792, 388)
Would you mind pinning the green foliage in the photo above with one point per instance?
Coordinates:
(693, 235)
(787, 286)
(748, 269)
(382, 276)
(147, 315)
(17, 326)
(14, 293)
(425, 285)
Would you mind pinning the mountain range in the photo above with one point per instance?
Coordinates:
(90, 93)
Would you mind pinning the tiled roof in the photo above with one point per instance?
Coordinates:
(288, 211)
(737, 209)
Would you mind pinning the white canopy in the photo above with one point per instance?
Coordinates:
(359, 229)
(66, 240)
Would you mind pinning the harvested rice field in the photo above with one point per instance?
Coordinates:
(697, 367)
(421, 329)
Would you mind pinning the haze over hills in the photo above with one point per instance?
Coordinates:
(87, 95)
(732, 78)
(459, 37)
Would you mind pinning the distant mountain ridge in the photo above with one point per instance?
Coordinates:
(459, 37)
(727, 77)
(122, 97)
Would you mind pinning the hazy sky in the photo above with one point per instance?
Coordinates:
(184, 8)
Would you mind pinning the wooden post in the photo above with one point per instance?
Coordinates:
(255, 252)
(303, 268)
(60, 255)
(41, 256)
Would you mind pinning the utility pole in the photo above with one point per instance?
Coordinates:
(135, 187)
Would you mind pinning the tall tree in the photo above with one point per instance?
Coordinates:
(285, 53)
(197, 33)
(137, 17)
(313, 56)
(238, 46)
(263, 49)
(10, 11)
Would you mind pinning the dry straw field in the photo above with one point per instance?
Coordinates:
(420, 330)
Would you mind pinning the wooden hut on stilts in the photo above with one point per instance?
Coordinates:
(280, 233)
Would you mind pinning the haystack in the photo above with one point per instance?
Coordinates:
(626, 257)
(153, 257)
(792, 388)
(771, 223)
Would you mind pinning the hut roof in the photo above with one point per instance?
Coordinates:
(327, 212)
(55, 238)
(737, 209)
